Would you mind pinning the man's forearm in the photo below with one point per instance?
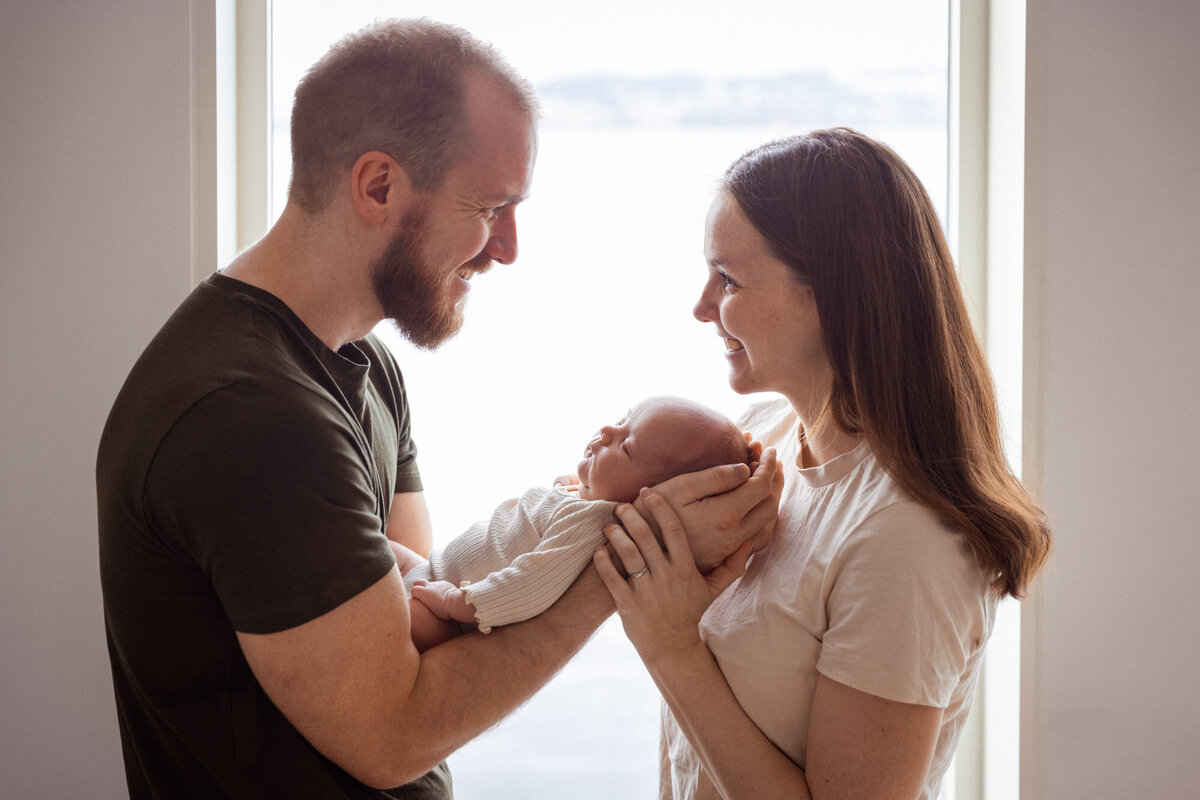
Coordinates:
(467, 685)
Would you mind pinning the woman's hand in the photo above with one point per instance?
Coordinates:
(664, 596)
(723, 507)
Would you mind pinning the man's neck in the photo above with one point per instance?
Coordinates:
(306, 263)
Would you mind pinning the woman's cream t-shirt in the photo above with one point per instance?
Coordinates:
(859, 583)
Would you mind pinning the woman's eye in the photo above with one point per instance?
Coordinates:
(727, 283)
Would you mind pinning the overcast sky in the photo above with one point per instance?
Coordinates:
(643, 37)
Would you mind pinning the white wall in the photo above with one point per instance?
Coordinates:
(94, 253)
(1113, 278)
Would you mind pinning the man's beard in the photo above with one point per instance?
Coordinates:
(410, 295)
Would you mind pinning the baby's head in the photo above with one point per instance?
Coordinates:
(658, 439)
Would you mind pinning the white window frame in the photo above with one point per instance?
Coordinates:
(230, 101)
(985, 212)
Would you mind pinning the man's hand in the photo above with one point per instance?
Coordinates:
(721, 507)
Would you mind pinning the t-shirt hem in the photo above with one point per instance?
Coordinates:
(327, 600)
(881, 681)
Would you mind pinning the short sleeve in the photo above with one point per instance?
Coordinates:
(389, 383)
(907, 607)
(277, 508)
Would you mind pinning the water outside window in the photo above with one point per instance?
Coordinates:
(644, 106)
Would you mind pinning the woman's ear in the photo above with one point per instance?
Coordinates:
(379, 187)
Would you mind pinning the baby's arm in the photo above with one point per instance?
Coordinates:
(444, 600)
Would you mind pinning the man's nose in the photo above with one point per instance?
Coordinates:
(502, 244)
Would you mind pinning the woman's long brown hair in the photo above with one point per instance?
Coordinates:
(851, 220)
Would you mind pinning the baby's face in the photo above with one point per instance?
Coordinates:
(623, 457)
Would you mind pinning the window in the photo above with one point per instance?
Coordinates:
(645, 104)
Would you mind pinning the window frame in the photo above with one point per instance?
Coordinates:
(231, 171)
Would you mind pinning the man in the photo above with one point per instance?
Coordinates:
(259, 452)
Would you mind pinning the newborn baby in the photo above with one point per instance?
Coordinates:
(516, 564)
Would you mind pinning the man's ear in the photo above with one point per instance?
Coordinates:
(379, 187)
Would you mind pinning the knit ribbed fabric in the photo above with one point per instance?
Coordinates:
(516, 564)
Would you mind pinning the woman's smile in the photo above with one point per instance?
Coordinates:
(764, 315)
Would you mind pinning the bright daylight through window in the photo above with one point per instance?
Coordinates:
(644, 106)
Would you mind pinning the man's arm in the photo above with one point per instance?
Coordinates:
(353, 684)
(409, 523)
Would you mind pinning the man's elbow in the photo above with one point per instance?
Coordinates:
(378, 748)
(391, 770)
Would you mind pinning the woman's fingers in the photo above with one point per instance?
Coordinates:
(760, 520)
(730, 570)
(693, 486)
(608, 573)
(639, 530)
(674, 538)
(626, 549)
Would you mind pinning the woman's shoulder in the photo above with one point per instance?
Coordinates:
(904, 543)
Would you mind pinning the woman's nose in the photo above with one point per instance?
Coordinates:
(705, 309)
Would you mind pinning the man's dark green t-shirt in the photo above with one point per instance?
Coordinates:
(244, 481)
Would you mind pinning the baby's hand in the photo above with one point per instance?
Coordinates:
(444, 599)
(566, 482)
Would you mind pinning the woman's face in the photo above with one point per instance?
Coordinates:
(767, 320)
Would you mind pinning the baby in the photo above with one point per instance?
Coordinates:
(515, 565)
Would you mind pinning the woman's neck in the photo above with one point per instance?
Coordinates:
(826, 447)
(821, 438)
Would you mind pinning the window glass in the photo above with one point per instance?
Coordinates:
(644, 105)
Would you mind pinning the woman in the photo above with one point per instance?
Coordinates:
(843, 662)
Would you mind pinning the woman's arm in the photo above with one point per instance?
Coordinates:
(862, 746)
(660, 610)
(859, 745)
